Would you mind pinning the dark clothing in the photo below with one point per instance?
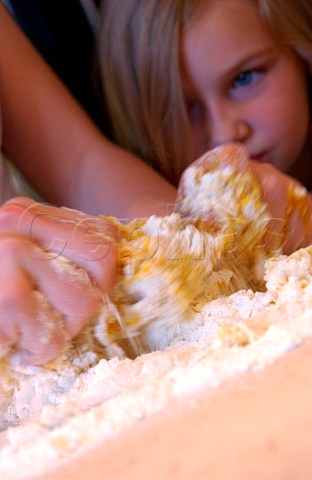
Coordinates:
(61, 32)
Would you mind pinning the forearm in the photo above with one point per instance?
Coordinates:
(122, 185)
(52, 140)
(42, 124)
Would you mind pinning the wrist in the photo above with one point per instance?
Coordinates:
(147, 205)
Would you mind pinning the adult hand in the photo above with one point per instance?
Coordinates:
(56, 265)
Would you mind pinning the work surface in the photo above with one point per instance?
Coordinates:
(255, 426)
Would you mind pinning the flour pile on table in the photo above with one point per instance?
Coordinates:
(192, 307)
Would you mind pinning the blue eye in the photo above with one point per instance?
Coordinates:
(244, 79)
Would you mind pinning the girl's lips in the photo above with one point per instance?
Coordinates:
(259, 157)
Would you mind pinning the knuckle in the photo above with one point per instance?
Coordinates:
(108, 261)
(88, 309)
(17, 215)
(36, 353)
(13, 297)
(22, 201)
(89, 302)
(109, 255)
(10, 215)
(11, 246)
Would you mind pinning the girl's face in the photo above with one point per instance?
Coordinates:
(241, 85)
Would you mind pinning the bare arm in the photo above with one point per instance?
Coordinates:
(55, 144)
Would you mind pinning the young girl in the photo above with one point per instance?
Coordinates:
(211, 72)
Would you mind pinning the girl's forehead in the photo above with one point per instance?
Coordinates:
(244, 13)
(225, 26)
(196, 8)
(226, 36)
(229, 10)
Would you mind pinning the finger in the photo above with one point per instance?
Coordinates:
(274, 194)
(298, 223)
(86, 240)
(68, 288)
(230, 155)
(290, 206)
(44, 336)
(29, 218)
(273, 188)
(37, 333)
(233, 154)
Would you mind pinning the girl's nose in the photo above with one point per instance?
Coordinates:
(228, 128)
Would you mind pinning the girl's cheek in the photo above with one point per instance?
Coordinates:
(200, 141)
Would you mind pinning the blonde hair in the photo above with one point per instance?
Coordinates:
(140, 71)
(291, 21)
